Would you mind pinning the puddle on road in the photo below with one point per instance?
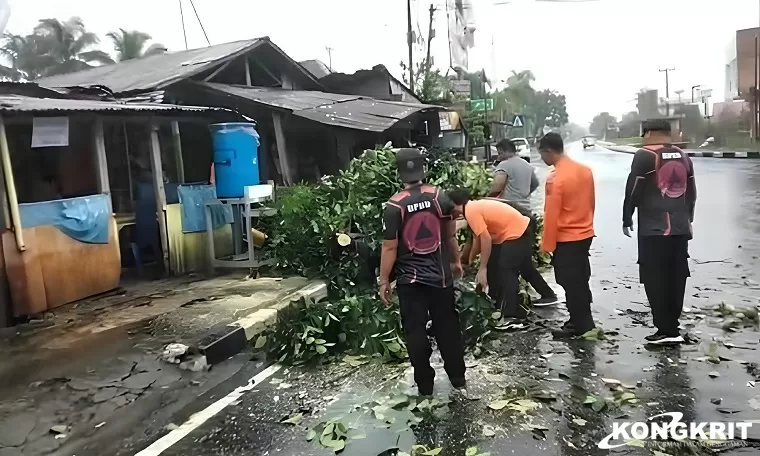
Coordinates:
(540, 389)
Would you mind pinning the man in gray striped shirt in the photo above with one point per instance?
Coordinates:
(514, 178)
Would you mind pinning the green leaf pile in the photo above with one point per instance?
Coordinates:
(352, 319)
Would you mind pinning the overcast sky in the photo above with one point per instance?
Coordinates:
(598, 53)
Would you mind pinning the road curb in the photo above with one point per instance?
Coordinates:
(705, 154)
(242, 331)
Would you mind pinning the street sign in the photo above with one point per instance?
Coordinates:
(481, 104)
(705, 93)
(462, 87)
(519, 121)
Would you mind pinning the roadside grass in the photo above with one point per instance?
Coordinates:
(634, 141)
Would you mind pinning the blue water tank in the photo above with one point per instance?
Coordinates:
(236, 158)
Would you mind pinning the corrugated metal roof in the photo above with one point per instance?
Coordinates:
(364, 113)
(293, 100)
(349, 111)
(154, 71)
(316, 67)
(17, 104)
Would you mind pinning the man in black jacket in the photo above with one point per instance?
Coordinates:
(661, 186)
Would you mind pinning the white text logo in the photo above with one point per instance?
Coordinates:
(624, 432)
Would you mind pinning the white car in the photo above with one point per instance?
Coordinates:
(523, 148)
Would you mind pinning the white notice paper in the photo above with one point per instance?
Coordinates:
(50, 132)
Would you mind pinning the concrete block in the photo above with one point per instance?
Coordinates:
(255, 323)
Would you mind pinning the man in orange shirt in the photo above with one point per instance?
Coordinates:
(569, 230)
(505, 237)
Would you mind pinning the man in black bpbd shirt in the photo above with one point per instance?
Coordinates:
(420, 247)
(661, 187)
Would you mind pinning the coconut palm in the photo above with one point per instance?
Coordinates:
(131, 44)
(68, 44)
(26, 55)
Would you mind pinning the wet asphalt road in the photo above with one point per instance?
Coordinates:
(724, 269)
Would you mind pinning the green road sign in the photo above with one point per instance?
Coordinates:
(480, 105)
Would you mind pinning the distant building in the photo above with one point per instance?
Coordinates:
(376, 83)
(740, 64)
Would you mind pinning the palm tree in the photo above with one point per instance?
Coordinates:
(519, 92)
(67, 43)
(131, 44)
(26, 55)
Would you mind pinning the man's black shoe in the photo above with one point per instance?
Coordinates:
(654, 336)
(569, 331)
(546, 301)
(665, 339)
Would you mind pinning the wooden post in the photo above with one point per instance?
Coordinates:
(101, 162)
(282, 149)
(160, 192)
(129, 164)
(10, 188)
(178, 159)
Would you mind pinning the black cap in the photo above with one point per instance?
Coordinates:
(411, 165)
(660, 125)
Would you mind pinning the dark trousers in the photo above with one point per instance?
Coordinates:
(510, 260)
(531, 274)
(663, 269)
(572, 269)
(418, 302)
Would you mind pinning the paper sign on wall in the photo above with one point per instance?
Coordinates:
(50, 132)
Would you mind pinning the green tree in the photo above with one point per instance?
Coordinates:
(27, 56)
(519, 93)
(68, 46)
(601, 123)
(547, 108)
(430, 85)
(130, 44)
(629, 125)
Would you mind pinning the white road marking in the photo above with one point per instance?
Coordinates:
(197, 419)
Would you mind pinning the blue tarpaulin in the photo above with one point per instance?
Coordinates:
(193, 198)
(85, 219)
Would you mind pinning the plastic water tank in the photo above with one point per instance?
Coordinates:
(236, 158)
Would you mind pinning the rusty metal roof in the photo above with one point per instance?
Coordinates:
(349, 111)
(364, 113)
(22, 104)
(154, 71)
(292, 100)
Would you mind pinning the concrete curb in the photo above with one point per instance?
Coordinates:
(705, 154)
(245, 329)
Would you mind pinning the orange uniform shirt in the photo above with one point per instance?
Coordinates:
(570, 204)
(502, 221)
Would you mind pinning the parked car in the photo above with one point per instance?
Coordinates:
(523, 148)
(589, 141)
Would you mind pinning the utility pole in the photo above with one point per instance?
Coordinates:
(755, 97)
(409, 42)
(692, 91)
(329, 56)
(667, 88)
(431, 35)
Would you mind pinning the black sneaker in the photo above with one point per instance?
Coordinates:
(653, 337)
(546, 301)
(569, 331)
(665, 339)
(565, 332)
